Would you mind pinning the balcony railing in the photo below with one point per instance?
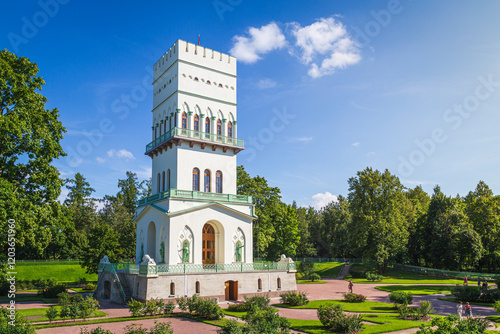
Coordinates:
(198, 135)
(186, 268)
(176, 193)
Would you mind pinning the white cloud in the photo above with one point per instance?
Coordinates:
(261, 41)
(266, 83)
(122, 154)
(356, 144)
(100, 160)
(321, 200)
(325, 46)
(300, 139)
(144, 173)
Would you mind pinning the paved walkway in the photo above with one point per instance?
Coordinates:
(332, 289)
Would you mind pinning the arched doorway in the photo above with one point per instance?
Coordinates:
(208, 239)
(107, 290)
(152, 240)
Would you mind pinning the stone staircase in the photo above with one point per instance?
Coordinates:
(344, 271)
(126, 287)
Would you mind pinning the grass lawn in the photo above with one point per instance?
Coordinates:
(306, 281)
(61, 271)
(364, 307)
(80, 290)
(383, 323)
(416, 289)
(29, 298)
(41, 312)
(393, 276)
(328, 269)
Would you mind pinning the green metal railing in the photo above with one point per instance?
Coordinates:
(147, 270)
(186, 133)
(176, 193)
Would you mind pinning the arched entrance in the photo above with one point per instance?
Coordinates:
(107, 290)
(208, 239)
(152, 240)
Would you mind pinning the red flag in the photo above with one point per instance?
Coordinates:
(198, 39)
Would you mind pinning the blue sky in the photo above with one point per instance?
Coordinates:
(325, 88)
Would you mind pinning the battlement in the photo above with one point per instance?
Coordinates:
(197, 55)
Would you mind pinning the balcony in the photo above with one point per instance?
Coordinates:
(179, 134)
(175, 193)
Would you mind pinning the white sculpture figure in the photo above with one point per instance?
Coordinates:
(148, 261)
(104, 259)
(285, 259)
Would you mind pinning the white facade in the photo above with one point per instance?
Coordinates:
(194, 128)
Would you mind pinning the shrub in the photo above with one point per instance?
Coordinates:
(408, 313)
(496, 306)
(153, 307)
(51, 313)
(260, 302)
(314, 277)
(298, 275)
(135, 307)
(354, 298)
(466, 293)
(90, 287)
(209, 309)
(372, 276)
(425, 308)
(294, 298)
(233, 327)
(81, 281)
(183, 303)
(168, 308)
(87, 307)
(452, 325)
(238, 307)
(401, 298)
(52, 292)
(161, 328)
(490, 296)
(265, 321)
(333, 317)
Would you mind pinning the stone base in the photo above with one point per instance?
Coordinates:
(223, 286)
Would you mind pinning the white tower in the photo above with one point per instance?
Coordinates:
(194, 215)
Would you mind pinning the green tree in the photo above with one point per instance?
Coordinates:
(102, 240)
(483, 210)
(81, 206)
(286, 236)
(379, 209)
(29, 141)
(130, 190)
(450, 241)
(305, 247)
(420, 201)
(267, 199)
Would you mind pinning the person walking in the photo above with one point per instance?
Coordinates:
(468, 310)
(460, 310)
(466, 281)
(349, 287)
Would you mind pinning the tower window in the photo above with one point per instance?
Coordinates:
(168, 179)
(195, 78)
(184, 120)
(196, 123)
(163, 181)
(196, 179)
(207, 125)
(218, 182)
(159, 182)
(219, 127)
(208, 82)
(230, 129)
(175, 119)
(206, 181)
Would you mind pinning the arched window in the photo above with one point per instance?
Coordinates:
(196, 123)
(208, 82)
(156, 131)
(168, 179)
(195, 78)
(219, 127)
(159, 182)
(196, 179)
(184, 120)
(230, 129)
(175, 120)
(165, 126)
(163, 182)
(170, 122)
(218, 182)
(172, 289)
(207, 125)
(279, 283)
(259, 284)
(197, 287)
(206, 181)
